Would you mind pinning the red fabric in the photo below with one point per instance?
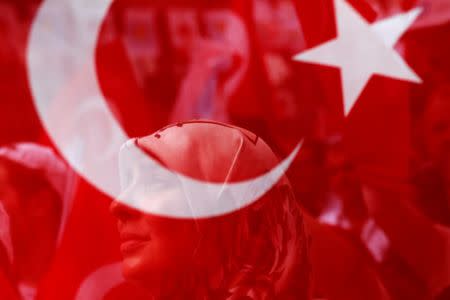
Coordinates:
(386, 163)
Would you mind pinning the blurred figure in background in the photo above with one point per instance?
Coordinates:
(432, 177)
(35, 197)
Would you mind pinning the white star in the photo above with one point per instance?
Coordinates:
(362, 50)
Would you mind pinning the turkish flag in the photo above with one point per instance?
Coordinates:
(382, 147)
(365, 84)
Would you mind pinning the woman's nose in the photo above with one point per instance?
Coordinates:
(122, 211)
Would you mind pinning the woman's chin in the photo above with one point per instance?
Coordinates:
(140, 277)
(133, 269)
(136, 270)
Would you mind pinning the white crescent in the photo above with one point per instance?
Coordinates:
(66, 92)
(99, 283)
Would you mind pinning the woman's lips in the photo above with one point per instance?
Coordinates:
(132, 242)
(132, 245)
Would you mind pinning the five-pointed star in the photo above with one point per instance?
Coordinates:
(362, 50)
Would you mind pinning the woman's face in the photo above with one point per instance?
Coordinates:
(155, 248)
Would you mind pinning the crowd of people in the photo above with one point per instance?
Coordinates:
(363, 212)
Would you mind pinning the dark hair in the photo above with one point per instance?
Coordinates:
(268, 257)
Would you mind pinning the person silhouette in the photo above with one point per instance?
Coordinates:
(257, 252)
(36, 193)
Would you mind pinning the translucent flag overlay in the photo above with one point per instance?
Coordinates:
(227, 149)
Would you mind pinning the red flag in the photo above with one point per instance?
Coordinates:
(363, 83)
